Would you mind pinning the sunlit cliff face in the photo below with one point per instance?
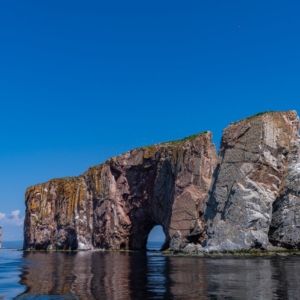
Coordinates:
(115, 205)
(249, 198)
(254, 156)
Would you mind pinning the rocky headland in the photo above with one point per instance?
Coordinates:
(246, 198)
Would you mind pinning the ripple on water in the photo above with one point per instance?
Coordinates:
(10, 269)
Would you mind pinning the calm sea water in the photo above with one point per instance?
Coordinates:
(149, 275)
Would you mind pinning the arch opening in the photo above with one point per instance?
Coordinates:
(156, 238)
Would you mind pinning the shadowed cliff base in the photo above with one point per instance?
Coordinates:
(247, 198)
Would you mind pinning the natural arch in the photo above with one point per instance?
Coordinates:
(160, 185)
(139, 234)
(156, 238)
(116, 204)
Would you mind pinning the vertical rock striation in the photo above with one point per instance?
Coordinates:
(59, 215)
(285, 225)
(115, 205)
(253, 160)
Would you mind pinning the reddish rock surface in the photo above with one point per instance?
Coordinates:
(116, 204)
(248, 198)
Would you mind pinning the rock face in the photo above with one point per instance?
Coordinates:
(285, 225)
(248, 198)
(258, 158)
(115, 205)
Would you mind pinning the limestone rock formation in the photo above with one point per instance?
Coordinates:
(248, 198)
(116, 204)
(253, 160)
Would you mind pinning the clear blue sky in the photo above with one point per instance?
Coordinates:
(81, 81)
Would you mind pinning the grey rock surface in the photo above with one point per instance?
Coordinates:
(247, 180)
(285, 226)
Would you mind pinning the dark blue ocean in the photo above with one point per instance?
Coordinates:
(145, 275)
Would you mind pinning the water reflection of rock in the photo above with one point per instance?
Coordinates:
(35, 272)
(46, 273)
(110, 275)
(149, 276)
(82, 271)
(255, 278)
(50, 273)
(188, 277)
(286, 273)
(132, 275)
(128, 275)
(88, 275)
(95, 275)
(240, 279)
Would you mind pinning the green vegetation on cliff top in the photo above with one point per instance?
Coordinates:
(256, 115)
(175, 142)
(172, 142)
(188, 138)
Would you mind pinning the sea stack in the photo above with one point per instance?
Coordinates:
(247, 197)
